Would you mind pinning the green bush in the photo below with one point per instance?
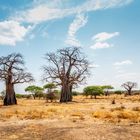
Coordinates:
(119, 92)
(93, 91)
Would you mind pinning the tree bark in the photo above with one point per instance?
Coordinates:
(66, 95)
(10, 98)
(70, 95)
(129, 92)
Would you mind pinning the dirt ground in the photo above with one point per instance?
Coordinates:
(83, 119)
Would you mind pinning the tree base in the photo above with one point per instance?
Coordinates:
(10, 101)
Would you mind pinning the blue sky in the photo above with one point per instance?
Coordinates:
(107, 30)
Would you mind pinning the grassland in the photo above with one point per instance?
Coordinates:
(82, 119)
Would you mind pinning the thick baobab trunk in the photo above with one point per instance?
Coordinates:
(10, 98)
(129, 92)
(70, 95)
(66, 95)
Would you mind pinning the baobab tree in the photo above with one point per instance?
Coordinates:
(129, 86)
(12, 72)
(67, 67)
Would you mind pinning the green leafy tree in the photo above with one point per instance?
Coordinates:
(93, 91)
(50, 86)
(35, 90)
(106, 89)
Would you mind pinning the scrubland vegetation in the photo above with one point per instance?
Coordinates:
(83, 113)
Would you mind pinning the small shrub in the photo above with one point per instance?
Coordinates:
(119, 92)
(113, 101)
(102, 114)
(118, 108)
(51, 96)
(136, 108)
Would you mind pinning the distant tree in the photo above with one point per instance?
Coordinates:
(3, 94)
(106, 89)
(119, 92)
(67, 67)
(129, 86)
(93, 91)
(50, 86)
(35, 90)
(12, 72)
(75, 93)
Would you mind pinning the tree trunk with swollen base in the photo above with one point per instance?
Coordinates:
(129, 92)
(66, 95)
(10, 98)
(12, 72)
(69, 68)
(70, 95)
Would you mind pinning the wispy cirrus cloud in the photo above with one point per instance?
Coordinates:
(44, 11)
(104, 36)
(122, 63)
(94, 66)
(101, 39)
(79, 22)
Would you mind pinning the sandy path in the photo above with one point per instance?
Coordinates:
(67, 130)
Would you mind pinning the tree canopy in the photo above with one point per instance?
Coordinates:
(67, 67)
(12, 71)
(93, 91)
(129, 86)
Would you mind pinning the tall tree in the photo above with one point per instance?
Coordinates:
(67, 67)
(129, 86)
(12, 72)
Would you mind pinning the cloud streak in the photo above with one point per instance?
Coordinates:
(122, 63)
(44, 12)
(104, 36)
(79, 22)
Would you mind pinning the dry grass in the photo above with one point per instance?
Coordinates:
(77, 120)
(101, 109)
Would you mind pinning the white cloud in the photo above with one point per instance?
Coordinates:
(104, 36)
(121, 63)
(45, 12)
(130, 76)
(101, 45)
(12, 32)
(79, 22)
(94, 66)
(92, 5)
(41, 13)
(101, 39)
